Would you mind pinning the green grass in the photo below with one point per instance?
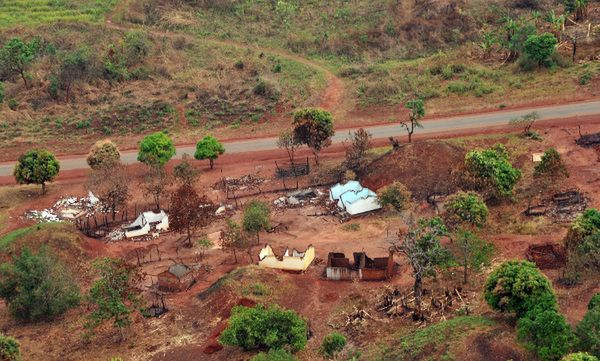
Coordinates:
(9, 238)
(434, 342)
(36, 12)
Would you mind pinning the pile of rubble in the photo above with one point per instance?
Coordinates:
(562, 206)
(300, 198)
(67, 209)
(239, 184)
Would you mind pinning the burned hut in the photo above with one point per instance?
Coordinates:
(363, 268)
(177, 278)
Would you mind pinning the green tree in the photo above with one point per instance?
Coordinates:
(588, 330)
(313, 127)
(417, 112)
(16, 57)
(115, 295)
(473, 252)
(257, 217)
(74, 66)
(540, 48)
(577, 7)
(37, 286)
(10, 350)
(332, 344)
(551, 167)
(579, 356)
(526, 122)
(394, 195)
(517, 286)
(466, 208)
(421, 244)
(274, 355)
(583, 243)
(185, 172)
(492, 170)
(209, 148)
(157, 148)
(546, 333)
(103, 154)
(36, 166)
(265, 327)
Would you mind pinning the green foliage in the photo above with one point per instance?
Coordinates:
(12, 104)
(268, 327)
(518, 286)
(417, 109)
(577, 7)
(10, 350)
(36, 166)
(546, 333)
(114, 296)
(209, 148)
(551, 166)
(332, 344)
(136, 46)
(313, 127)
(588, 330)
(37, 286)
(473, 252)
(53, 87)
(467, 208)
(583, 242)
(274, 355)
(526, 122)
(74, 66)
(1, 92)
(257, 217)
(16, 57)
(579, 356)
(395, 195)
(540, 48)
(156, 149)
(493, 169)
(103, 154)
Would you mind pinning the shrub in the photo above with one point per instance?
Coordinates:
(583, 242)
(13, 104)
(53, 87)
(37, 286)
(395, 195)
(588, 330)
(466, 208)
(9, 349)
(492, 168)
(274, 355)
(269, 327)
(546, 333)
(579, 356)
(136, 45)
(103, 154)
(332, 344)
(540, 48)
(517, 286)
(551, 166)
(1, 92)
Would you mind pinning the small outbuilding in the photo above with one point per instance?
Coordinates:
(294, 261)
(177, 278)
(353, 198)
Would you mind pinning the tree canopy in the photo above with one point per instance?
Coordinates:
(36, 166)
(551, 167)
(313, 127)
(103, 153)
(265, 327)
(257, 216)
(16, 56)
(588, 330)
(209, 148)
(10, 349)
(492, 168)
(157, 148)
(540, 48)
(466, 208)
(37, 286)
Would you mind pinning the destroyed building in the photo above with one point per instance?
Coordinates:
(177, 278)
(363, 268)
(353, 198)
(145, 223)
(294, 261)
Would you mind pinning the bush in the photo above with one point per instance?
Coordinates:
(9, 349)
(492, 168)
(588, 330)
(274, 355)
(268, 327)
(136, 46)
(540, 48)
(551, 166)
(1, 92)
(466, 208)
(546, 333)
(37, 286)
(332, 344)
(579, 356)
(583, 242)
(13, 104)
(395, 195)
(517, 286)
